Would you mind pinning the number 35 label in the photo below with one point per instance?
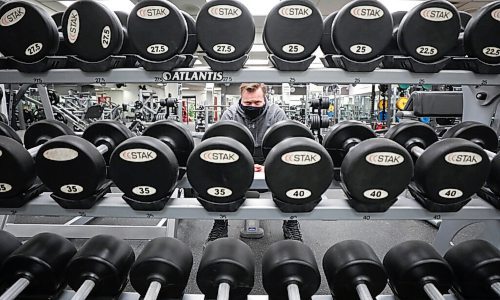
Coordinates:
(219, 192)
(144, 190)
(71, 189)
(298, 193)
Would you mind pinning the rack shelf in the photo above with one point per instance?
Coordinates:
(333, 207)
(250, 74)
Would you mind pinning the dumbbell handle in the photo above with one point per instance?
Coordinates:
(293, 292)
(432, 291)
(363, 292)
(84, 290)
(223, 293)
(496, 288)
(17, 288)
(102, 149)
(417, 151)
(490, 154)
(153, 291)
(34, 151)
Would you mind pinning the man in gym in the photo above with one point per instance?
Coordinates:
(257, 114)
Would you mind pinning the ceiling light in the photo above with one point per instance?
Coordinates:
(115, 5)
(259, 7)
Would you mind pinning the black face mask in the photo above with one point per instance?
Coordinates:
(252, 112)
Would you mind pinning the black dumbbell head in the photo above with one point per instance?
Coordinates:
(37, 29)
(362, 29)
(105, 260)
(157, 29)
(71, 167)
(412, 133)
(7, 131)
(175, 135)
(465, 17)
(326, 39)
(476, 132)
(192, 42)
(292, 160)
(9, 244)
(220, 170)
(283, 130)
(226, 260)
(109, 133)
(165, 260)
(42, 259)
(43, 131)
(412, 264)
(293, 29)
(478, 41)
(232, 129)
(349, 263)
(21, 172)
(144, 168)
(476, 264)
(91, 30)
(290, 262)
(429, 31)
(451, 170)
(225, 29)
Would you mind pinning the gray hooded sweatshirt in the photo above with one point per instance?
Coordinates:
(272, 114)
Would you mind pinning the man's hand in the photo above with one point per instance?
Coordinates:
(258, 168)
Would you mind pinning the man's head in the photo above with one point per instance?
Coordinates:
(253, 94)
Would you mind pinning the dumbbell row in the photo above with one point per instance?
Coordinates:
(157, 30)
(220, 169)
(226, 271)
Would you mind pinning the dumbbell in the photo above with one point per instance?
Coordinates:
(354, 271)
(157, 30)
(36, 268)
(226, 270)
(485, 137)
(74, 168)
(162, 269)
(478, 42)
(192, 41)
(362, 29)
(447, 173)
(477, 269)
(365, 164)
(326, 43)
(226, 29)
(9, 244)
(291, 156)
(437, 16)
(100, 267)
(416, 271)
(220, 168)
(20, 183)
(146, 168)
(289, 271)
(392, 48)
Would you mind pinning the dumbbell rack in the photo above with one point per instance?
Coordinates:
(334, 205)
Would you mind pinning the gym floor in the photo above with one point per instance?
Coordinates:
(319, 235)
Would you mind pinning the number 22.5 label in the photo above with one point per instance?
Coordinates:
(427, 50)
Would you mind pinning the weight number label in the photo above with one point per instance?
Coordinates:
(73, 27)
(71, 189)
(450, 193)
(298, 193)
(293, 48)
(463, 158)
(224, 48)
(219, 192)
(491, 51)
(361, 49)
(144, 190)
(106, 37)
(157, 49)
(33, 49)
(12, 16)
(427, 50)
(5, 187)
(153, 12)
(60, 154)
(375, 194)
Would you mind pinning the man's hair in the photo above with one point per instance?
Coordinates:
(252, 87)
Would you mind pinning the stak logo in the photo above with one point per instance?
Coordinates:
(12, 16)
(219, 156)
(463, 158)
(295, 11)
(138, 155)
(301, 158)
(73, 26)
(193, 76)
(153, 12)
(496, 14)
(384, 158)
(436, 14)
(224, 11)
(367, 12)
